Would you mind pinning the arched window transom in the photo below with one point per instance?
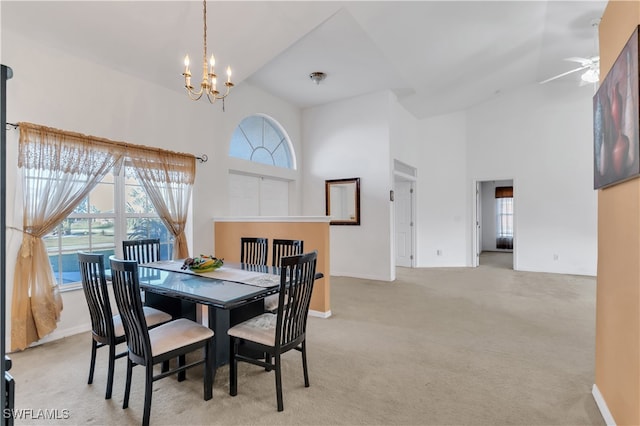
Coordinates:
(260, 139)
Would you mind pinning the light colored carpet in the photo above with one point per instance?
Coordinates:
(442, 346)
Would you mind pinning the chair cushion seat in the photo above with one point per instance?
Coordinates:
(153, 317)
(176, 334)
(260, 329)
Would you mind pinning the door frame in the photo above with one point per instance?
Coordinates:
(476, 220)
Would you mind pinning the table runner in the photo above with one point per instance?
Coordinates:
(258, 279)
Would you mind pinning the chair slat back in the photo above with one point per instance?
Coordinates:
(142, 251)
(282, 248)
(94, 285)
(126, 289)
(297, 276)
(254, 250)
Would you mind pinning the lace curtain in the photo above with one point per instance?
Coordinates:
(58, 169)
(168, 178)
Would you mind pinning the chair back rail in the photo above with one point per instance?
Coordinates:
(94, 285)
(282, 248)
(254, 250)
(296, 286)
(126, 289)
(142, 251)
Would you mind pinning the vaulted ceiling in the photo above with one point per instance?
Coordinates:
(437, 56)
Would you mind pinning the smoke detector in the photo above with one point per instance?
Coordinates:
(317, 77)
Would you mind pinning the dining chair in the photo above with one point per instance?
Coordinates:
(281, 248)
(142, 251)
(106, 328)
(275, 334)
(148, 347)
(254, 250)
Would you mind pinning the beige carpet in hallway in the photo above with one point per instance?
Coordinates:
(442, 346)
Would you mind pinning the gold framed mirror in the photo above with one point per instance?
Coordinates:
(342, 198)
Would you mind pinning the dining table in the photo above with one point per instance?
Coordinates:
(232, 294)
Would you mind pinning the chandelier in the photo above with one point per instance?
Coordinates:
(209, 83)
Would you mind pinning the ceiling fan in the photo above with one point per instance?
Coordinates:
(590, 66)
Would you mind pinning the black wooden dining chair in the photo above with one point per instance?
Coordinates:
(142, 251)
(148, 347)
(254, 250)
(281, 248)
(275, 334)
(106, 329)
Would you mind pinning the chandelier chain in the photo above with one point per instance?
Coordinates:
(204, 36)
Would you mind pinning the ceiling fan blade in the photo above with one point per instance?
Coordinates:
(584, 61)
(565, 73)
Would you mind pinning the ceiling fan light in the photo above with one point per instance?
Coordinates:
(591, 76)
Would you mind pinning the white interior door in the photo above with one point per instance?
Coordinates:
(403, 203)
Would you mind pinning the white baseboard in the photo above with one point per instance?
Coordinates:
(602, 406)
(319, 314)
(359, 275)
(61, 334)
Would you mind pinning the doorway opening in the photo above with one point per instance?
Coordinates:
(494, 239)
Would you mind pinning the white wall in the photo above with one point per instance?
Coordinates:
(436, 147)
(539, 136)
(443, 181)
(59, 90)
(344, 140)
(542, 137)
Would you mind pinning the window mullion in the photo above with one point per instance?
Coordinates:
(120, 211)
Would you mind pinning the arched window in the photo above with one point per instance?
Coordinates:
(261, 139)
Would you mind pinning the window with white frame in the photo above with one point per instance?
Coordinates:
(504, 217)
(117, 209)
(260, 139)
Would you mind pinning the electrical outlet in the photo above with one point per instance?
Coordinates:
(439, 252)
(555, 256)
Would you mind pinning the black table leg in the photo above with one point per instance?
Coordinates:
(221, 320)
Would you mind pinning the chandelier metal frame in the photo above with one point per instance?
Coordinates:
(208, 85)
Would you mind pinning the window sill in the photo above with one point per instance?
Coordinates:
(70, 287)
